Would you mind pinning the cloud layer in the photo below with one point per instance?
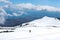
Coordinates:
(37, 7)
(29, 6)
(3, 0)
(2, 16)
(22, 6)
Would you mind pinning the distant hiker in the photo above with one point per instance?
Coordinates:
(30, 31)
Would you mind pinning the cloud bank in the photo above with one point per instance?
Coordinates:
(29, 6)
(22, 6)
(3, 0)
(37, 7)
(2, 16)
(6, 2)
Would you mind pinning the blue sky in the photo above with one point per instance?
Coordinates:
(55, 3)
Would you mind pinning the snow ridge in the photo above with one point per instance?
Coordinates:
(45, 21)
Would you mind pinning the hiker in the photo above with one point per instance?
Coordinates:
(30, 31)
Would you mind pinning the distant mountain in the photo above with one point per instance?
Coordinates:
(43, 22)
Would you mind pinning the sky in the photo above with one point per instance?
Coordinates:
(55, 3)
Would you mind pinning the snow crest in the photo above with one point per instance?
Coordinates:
(45, 21)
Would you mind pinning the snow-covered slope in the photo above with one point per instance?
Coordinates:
(45, 21)
(31, 31)
(37, 33)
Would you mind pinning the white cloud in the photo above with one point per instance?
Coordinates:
(9, 15)
(36, 7)
(18, 14)
(6, 2)
(2, 12)
(48, 8)
(15, 14)
(2, 20)
(3, 0)
(2, 16)
(26, 6)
